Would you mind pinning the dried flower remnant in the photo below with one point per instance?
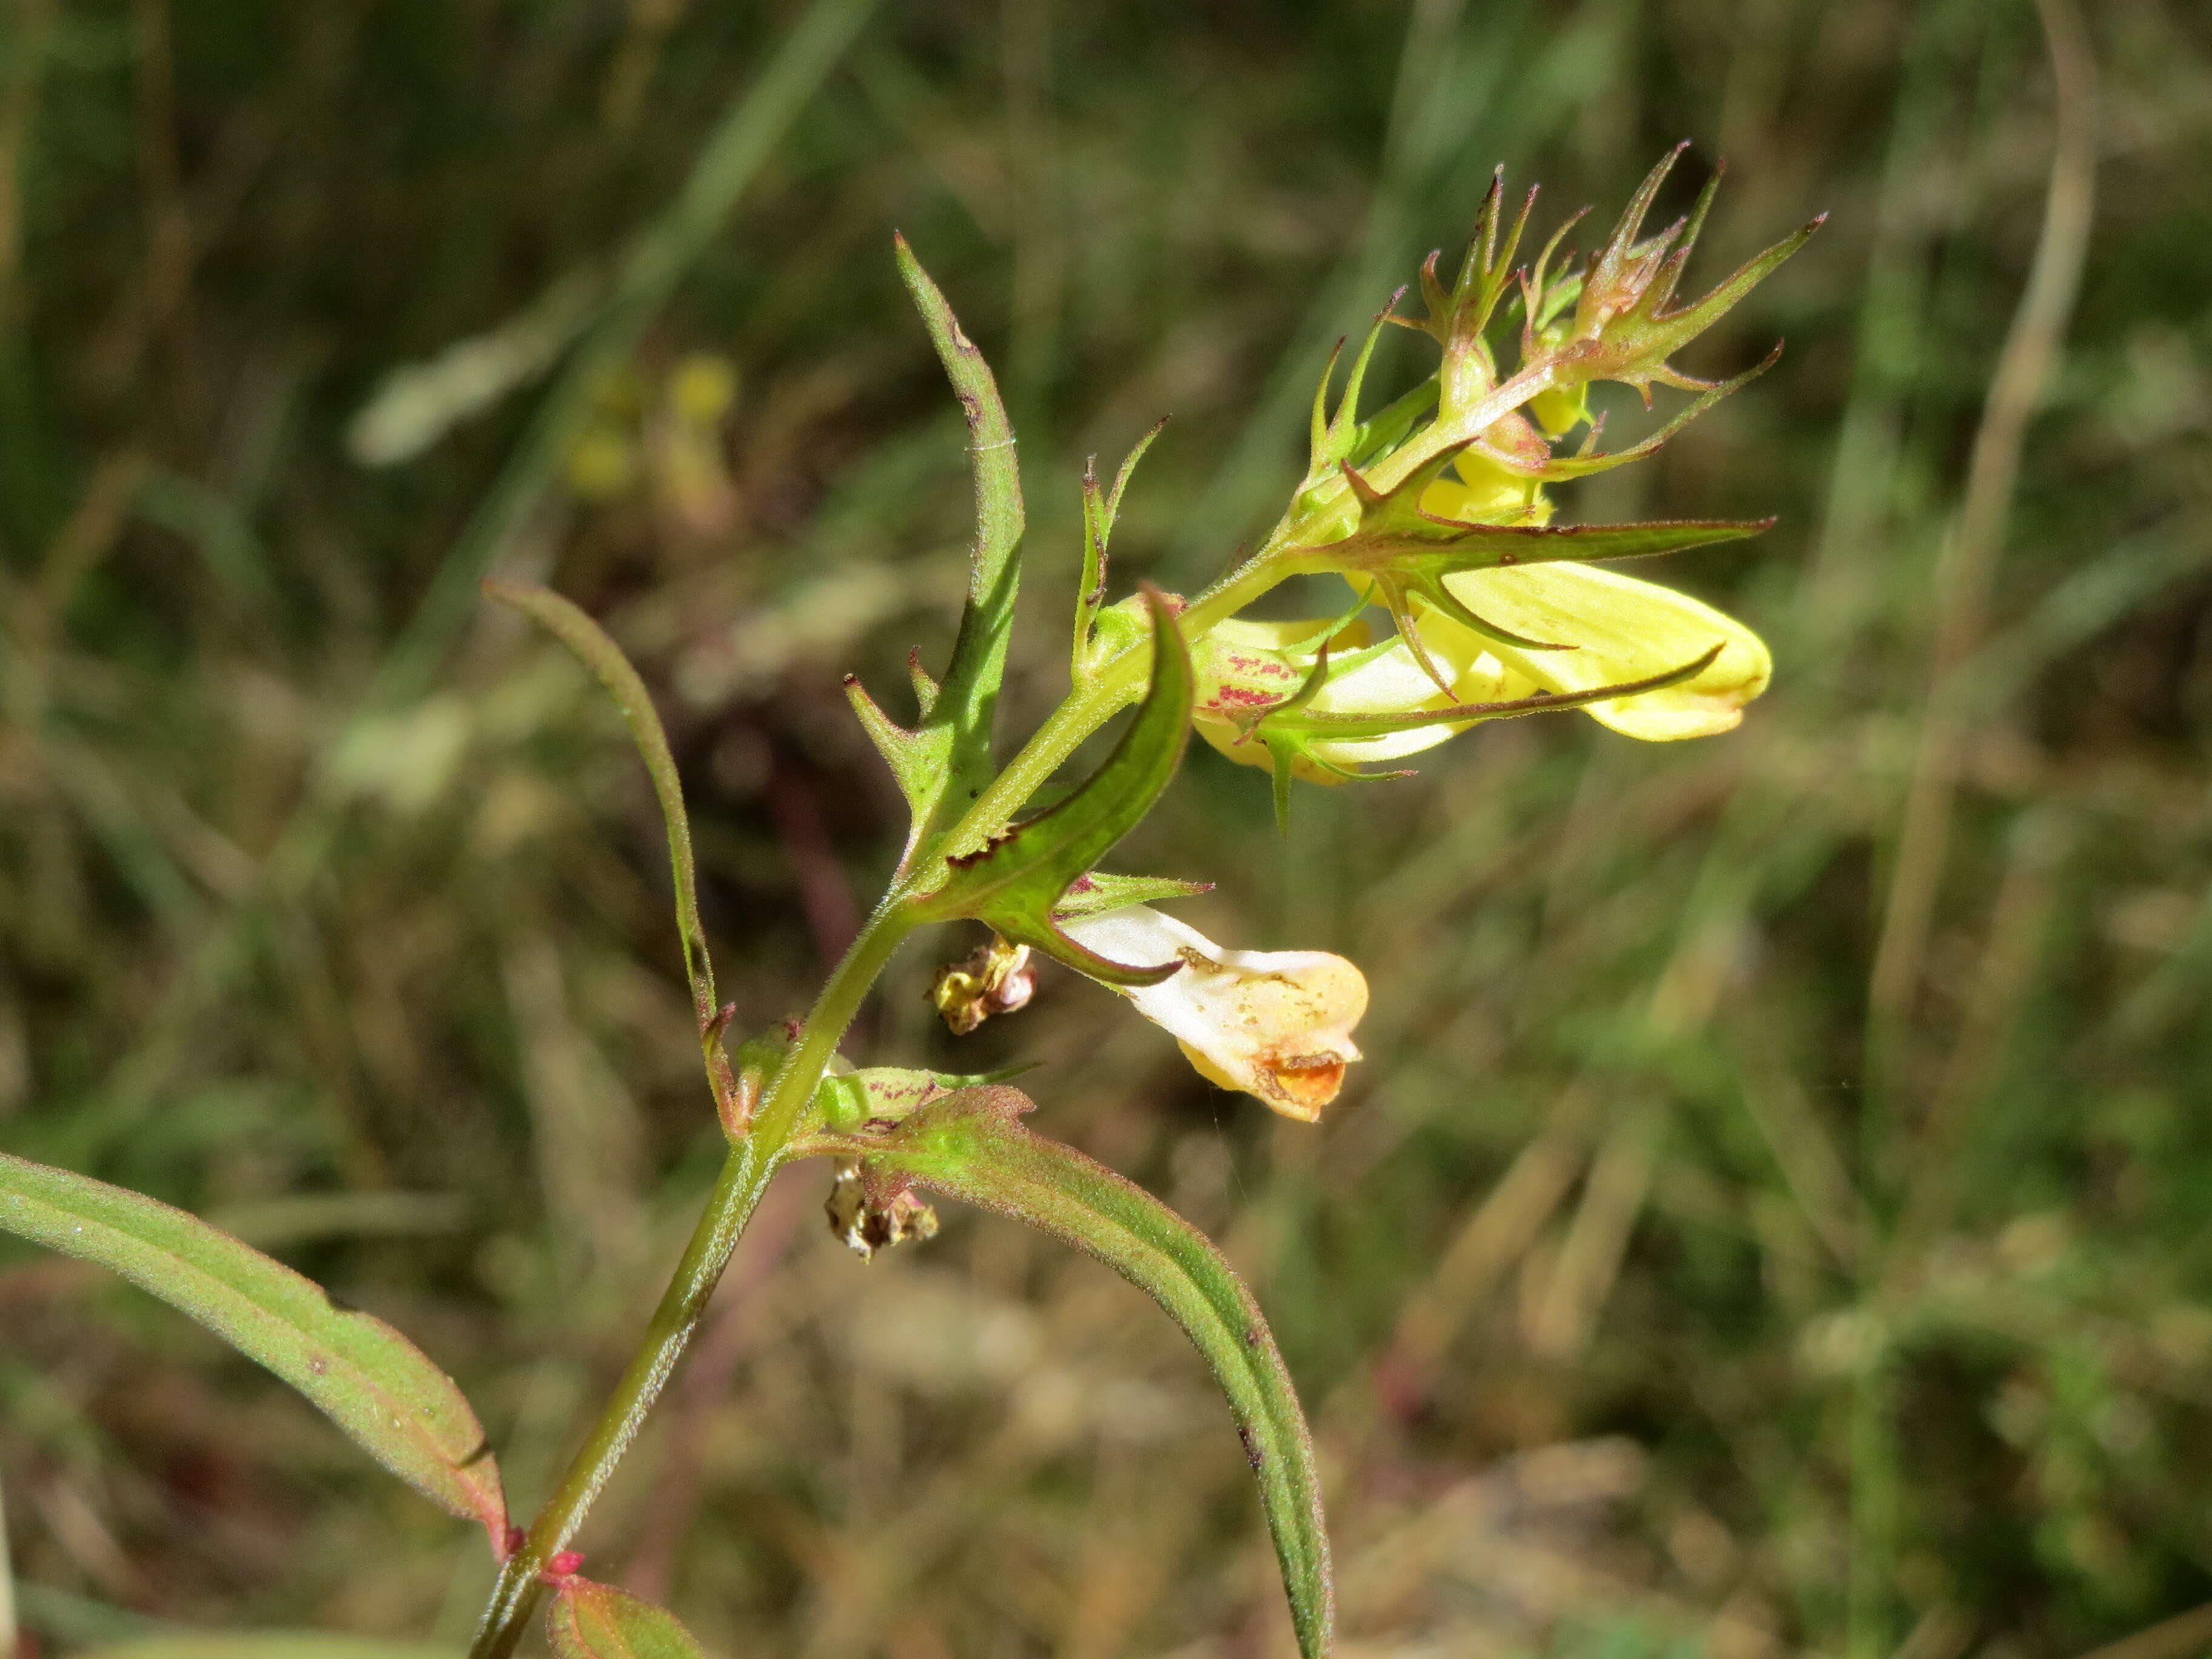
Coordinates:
(1276, 1024)
(996, 977)
(865, 1225)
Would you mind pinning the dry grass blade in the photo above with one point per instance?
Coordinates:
(2031, 352)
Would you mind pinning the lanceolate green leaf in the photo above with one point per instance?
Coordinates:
(597, 1621)
(1090, 895)
(971, 1145)
(1017, 881)
(961, 717)
(598, 653)
(369, 1380)
(1101, 507)
(1395, 534)
(1286, 720)
(1482, 547)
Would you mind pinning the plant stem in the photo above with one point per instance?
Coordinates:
(744, 1177)
(752, 1162)
(850, 983)
(1117, 683)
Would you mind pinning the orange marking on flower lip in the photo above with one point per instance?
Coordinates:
(1275, 1024)
(1303, 1084)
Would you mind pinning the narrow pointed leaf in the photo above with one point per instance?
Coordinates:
(1584, 466)
(1684, 326)
(1101, 508)
(925, 688)
(968, 699)
(909, 755)
(598, 652)
(972, 1146)
(365, 1376)
(1382, 431)
(1328, 726)
(1088, 895)
(1091, 589)
(597, 1621)
(1620, 251)
(1343, 429)
(1446, 548)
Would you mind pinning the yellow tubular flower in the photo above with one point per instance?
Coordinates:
(1274, 1024)
(1622, 629)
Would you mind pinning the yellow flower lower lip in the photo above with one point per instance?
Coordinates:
(1276, 1024)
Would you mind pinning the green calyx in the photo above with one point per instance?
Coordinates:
(1624, 329)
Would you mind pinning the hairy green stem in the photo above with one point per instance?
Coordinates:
(854, 977)
(1118, 684)
(744, 1177)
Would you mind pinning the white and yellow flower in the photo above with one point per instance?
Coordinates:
(1274, 1024)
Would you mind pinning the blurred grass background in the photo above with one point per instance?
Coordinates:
(1655, 1288)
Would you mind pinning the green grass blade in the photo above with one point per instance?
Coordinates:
(373, 1382)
